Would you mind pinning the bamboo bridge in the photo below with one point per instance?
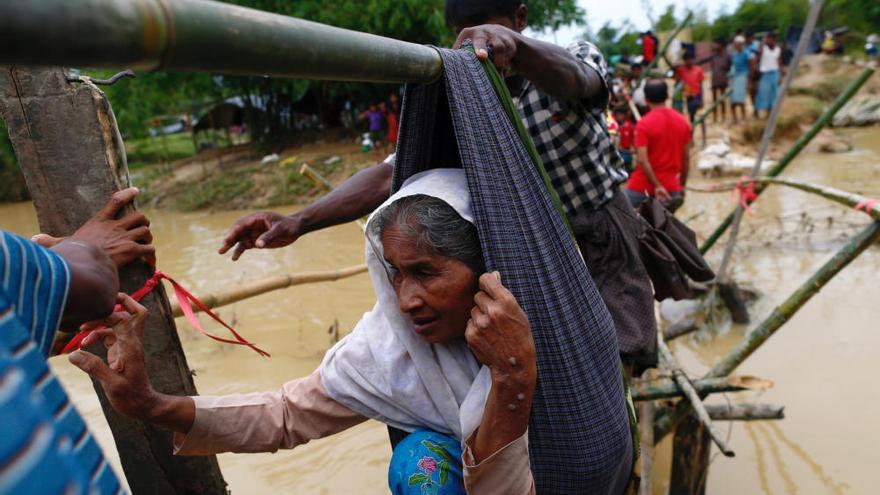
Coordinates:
(49, 119)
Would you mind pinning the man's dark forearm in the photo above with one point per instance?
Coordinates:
(94, 282)
(555, 71)
(357, 196)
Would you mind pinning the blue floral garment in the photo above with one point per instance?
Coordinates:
(426, 463)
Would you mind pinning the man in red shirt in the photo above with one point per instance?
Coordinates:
(692, 76)
(663, 138)
(649, 47)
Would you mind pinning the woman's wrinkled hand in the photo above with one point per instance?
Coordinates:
(263, 229)
(499, 333)
(124, 376)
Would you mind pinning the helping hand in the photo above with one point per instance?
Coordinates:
(662, 194)
(499, 333)
(261, 230)
(503, 42)
(124, 239)
(125, 380)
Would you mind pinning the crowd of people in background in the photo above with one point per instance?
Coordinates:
(649, 133)
(654, 137)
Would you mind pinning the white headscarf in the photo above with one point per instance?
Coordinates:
(384, 370)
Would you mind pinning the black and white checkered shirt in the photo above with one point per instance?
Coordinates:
(572, 138)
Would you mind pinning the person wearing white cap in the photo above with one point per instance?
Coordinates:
(739, 77)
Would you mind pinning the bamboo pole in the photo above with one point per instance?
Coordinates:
(203, 36)
(322, 183)
(781, 314)
(723, 276)
(665, 47)
(630, 103)
(798, 146)
(700, 118)
(643, 390)
(646, 445)
(680, 328)
(315, 177)
(745, 412)
(838, 196)
(257, 287)
(668, 360)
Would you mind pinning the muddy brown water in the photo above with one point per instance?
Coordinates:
(822, 361)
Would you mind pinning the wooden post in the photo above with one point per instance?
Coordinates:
(63, 139)
(690, 457)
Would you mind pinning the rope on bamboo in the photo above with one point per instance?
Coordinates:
(257, 287)
(855, 201)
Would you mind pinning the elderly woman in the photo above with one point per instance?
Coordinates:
(446, 354)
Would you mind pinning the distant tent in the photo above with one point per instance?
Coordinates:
(222, 116)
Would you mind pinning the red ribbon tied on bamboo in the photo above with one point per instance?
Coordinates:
(867, 205)
(186, 300)
(745, 189)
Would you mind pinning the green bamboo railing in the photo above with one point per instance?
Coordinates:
(203, 36)
(778, 317)
(798, 146)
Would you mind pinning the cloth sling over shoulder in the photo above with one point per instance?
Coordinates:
(579, 431)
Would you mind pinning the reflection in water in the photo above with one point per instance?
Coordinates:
(832, 339)
(790, 485)
(759, 459)
(831, 485)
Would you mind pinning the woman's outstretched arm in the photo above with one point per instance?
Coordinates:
(259, 422)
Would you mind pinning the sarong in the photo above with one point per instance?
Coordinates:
(767, 88)
(579, 430)
(739, 84)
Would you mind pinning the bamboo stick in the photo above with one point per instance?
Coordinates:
(643, 390)
(324, 184)
(668, 360)
(838, 196)
(745, 412)
(632, 105)
(680, 328)
(646, 445)
(781, 314)
(257, 287)
(798, 146)
(700, 118)
(665, 47)
(723, 277)
(315, 177)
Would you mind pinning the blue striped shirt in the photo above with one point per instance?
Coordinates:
(45, 446)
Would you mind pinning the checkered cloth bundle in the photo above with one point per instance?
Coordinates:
(579, 434)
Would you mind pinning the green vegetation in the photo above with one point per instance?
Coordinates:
(828, 89)
(860, 16)
(160, 149)
(219, 189)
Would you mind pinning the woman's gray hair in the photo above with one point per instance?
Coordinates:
(436, 226)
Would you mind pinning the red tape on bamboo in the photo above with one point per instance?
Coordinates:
(186, 299)
(867, 205)
(745, 189)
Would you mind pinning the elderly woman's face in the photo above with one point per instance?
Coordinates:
(436, 292)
